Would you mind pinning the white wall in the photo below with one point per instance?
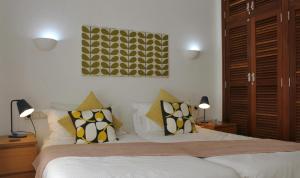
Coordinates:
(46, 77)
(3, 93)
(218, 60)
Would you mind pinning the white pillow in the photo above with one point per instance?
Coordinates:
(142, 124)
(57, 132)
(62, 106)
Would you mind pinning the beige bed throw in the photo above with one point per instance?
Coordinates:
(201, 149)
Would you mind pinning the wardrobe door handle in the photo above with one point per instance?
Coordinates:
(248, 8)
(253, 77)
(249, 77)
(252, 5)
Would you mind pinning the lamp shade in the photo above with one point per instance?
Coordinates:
(204, 103)
(192, 54)
(45, 44)
(24, 108)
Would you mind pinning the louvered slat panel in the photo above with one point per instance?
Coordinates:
(238, 69)
(262, 6)
(260, 3)
(238, 58)
(266, 45)
(237, 74)
(297, 46)
(236, 7)
(239, 108)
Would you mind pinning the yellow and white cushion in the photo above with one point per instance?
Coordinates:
(93, 126)
(177, 118)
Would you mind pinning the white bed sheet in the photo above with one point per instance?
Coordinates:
(124, 138)
(266, 165)
(202, 135)
(136, 167)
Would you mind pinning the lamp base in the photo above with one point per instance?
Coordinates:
(18, 135)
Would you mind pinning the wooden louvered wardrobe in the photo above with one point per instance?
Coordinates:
(261, 67)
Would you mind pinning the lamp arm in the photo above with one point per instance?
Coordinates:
(204, 115)
(29, 117)
(11, 115)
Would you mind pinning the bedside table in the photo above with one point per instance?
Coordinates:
(16, 157)
(222, 127)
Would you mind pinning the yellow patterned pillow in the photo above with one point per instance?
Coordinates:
(91, 102)
(93, 126)
(155, 113)
(177, 118)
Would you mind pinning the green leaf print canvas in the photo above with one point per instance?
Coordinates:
(115, 52)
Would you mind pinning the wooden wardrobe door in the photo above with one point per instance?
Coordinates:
(266, 46)
(237, 67)
(236, 9)
(294, 41)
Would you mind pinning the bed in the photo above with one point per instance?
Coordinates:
(269, 162)
(262, 165)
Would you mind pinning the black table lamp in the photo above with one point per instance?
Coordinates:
(204, 104)
(25, 110)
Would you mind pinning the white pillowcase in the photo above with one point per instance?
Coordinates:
(58, 134)
(142, 124)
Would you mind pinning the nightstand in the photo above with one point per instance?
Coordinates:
(16, 156)
(222, 127)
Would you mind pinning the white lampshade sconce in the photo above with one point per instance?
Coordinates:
(192, 54)
(192, 50)
(45, 44)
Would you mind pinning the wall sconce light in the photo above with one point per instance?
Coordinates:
(192, 54)
(45, 44)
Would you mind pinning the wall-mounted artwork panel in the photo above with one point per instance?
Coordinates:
(115, 52)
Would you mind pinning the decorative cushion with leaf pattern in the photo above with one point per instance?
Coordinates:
(93, 126)
(177, 118)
